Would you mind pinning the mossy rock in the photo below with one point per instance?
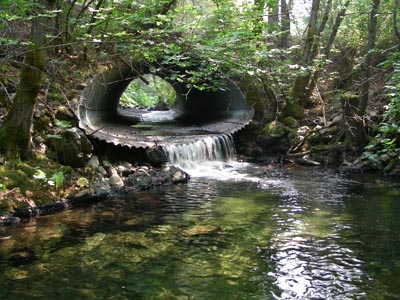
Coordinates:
(293, 110)
(290, 122)
(26, 168)
(274, 129)
(42, 124)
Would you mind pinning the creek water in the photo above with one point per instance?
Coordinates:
(235, 231)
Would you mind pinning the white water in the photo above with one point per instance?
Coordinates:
(212, 156)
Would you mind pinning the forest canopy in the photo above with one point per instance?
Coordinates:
(299, 54)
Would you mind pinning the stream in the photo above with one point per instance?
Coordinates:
(235, 231)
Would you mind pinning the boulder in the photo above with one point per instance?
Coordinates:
(73, 148)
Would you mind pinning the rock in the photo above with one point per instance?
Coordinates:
(179, 176)
(274, 129)
(63, 113)
(336, 120)
(123, 171)
(304, 161)
(253, 151)
(290, 122)
(81, 86)
(157, 155)
(93, 162)
(293, 109)
(38, 140)
(40, 110)
(102, 171)
(53, 207)
(201, 230)
(9, 220)
(26, 209)
(115, 181)
(303, 130)
(140, 180)
(126, 164)
(112, 171)
(106, 164)
(73, 149)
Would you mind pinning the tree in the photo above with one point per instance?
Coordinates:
(15, 136)
(355, 124)
(367, 63)
(315, 50)
(285, 23)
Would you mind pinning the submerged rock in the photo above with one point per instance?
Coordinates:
(201, 230)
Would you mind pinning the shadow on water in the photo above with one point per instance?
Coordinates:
(283, 233)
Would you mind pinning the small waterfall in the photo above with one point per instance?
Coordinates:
(199, 158)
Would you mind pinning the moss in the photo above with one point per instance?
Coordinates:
(43, 123)
(56, 97)
(293, 110)
(26, 168)
(290, 122)
(274, 129)
(72, 93)
(14, 178)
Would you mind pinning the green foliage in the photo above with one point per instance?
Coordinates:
(148, 93)
(387, 140)
(56, 179)
(63, 124)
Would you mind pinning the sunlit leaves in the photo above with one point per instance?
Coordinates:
(387, 139)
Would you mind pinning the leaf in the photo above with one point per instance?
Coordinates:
(57, 178)
(39, 174)
(82, 182)
(63, 124)
(54, 136)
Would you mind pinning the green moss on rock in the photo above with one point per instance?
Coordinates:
(290, 122)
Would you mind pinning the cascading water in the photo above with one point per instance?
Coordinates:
(209, 156)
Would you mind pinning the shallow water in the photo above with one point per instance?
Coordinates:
(262, 233)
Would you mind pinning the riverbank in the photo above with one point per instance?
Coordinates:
(33, 193)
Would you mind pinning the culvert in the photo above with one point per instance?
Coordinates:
(195, 113)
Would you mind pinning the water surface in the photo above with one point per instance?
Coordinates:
(262, 233)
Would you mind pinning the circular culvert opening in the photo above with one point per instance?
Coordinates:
(147, 99)
(148, 91)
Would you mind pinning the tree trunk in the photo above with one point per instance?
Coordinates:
(285, 24)
(360, 136)
(16, 134)
(372, 28)
(335, 28)
(328, 46)
(299, 90)
(273, 15)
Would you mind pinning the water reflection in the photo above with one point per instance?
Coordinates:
(273, 234)
(308, 258)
